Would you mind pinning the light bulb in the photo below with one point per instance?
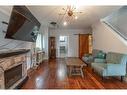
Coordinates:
(65, 23)
(76, 17)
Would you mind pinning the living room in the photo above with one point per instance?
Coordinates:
(73, 51)
(63, 47)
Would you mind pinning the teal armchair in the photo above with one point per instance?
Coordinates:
(97, 56)
(115, 65)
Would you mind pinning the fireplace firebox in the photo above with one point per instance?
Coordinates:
(12, 75)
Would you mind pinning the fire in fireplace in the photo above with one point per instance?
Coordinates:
(12, 75)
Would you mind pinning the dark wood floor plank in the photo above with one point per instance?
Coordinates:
(52, 74)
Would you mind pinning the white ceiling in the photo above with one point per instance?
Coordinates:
(47, 14)
(90, 15)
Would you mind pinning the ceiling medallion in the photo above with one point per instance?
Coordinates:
(70, 13)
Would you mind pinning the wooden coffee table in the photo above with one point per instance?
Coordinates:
(75, 66)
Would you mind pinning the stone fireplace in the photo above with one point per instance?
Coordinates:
(13, 70)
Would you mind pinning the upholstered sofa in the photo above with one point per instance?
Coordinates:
(96, 56)
(115, 65)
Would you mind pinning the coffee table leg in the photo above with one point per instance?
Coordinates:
(70, 70)
(81, 72)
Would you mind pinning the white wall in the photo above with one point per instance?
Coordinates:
(105, 39)
(73, 44)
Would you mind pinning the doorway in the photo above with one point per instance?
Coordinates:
(85, 44)
(63, 46)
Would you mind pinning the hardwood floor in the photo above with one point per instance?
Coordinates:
(53, 75)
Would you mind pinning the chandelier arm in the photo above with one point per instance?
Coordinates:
(62, 17)
(73, 8)
(71, 19)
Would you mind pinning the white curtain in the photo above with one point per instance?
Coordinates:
(39, 42)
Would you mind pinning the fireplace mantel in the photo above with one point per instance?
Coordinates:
(9, 60)
(10, 53)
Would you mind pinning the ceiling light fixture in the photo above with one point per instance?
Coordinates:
(69, 15)
(65, 23)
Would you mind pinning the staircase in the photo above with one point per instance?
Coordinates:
(117, 21)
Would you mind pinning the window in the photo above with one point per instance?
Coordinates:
(62, 38)
(39, 42)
